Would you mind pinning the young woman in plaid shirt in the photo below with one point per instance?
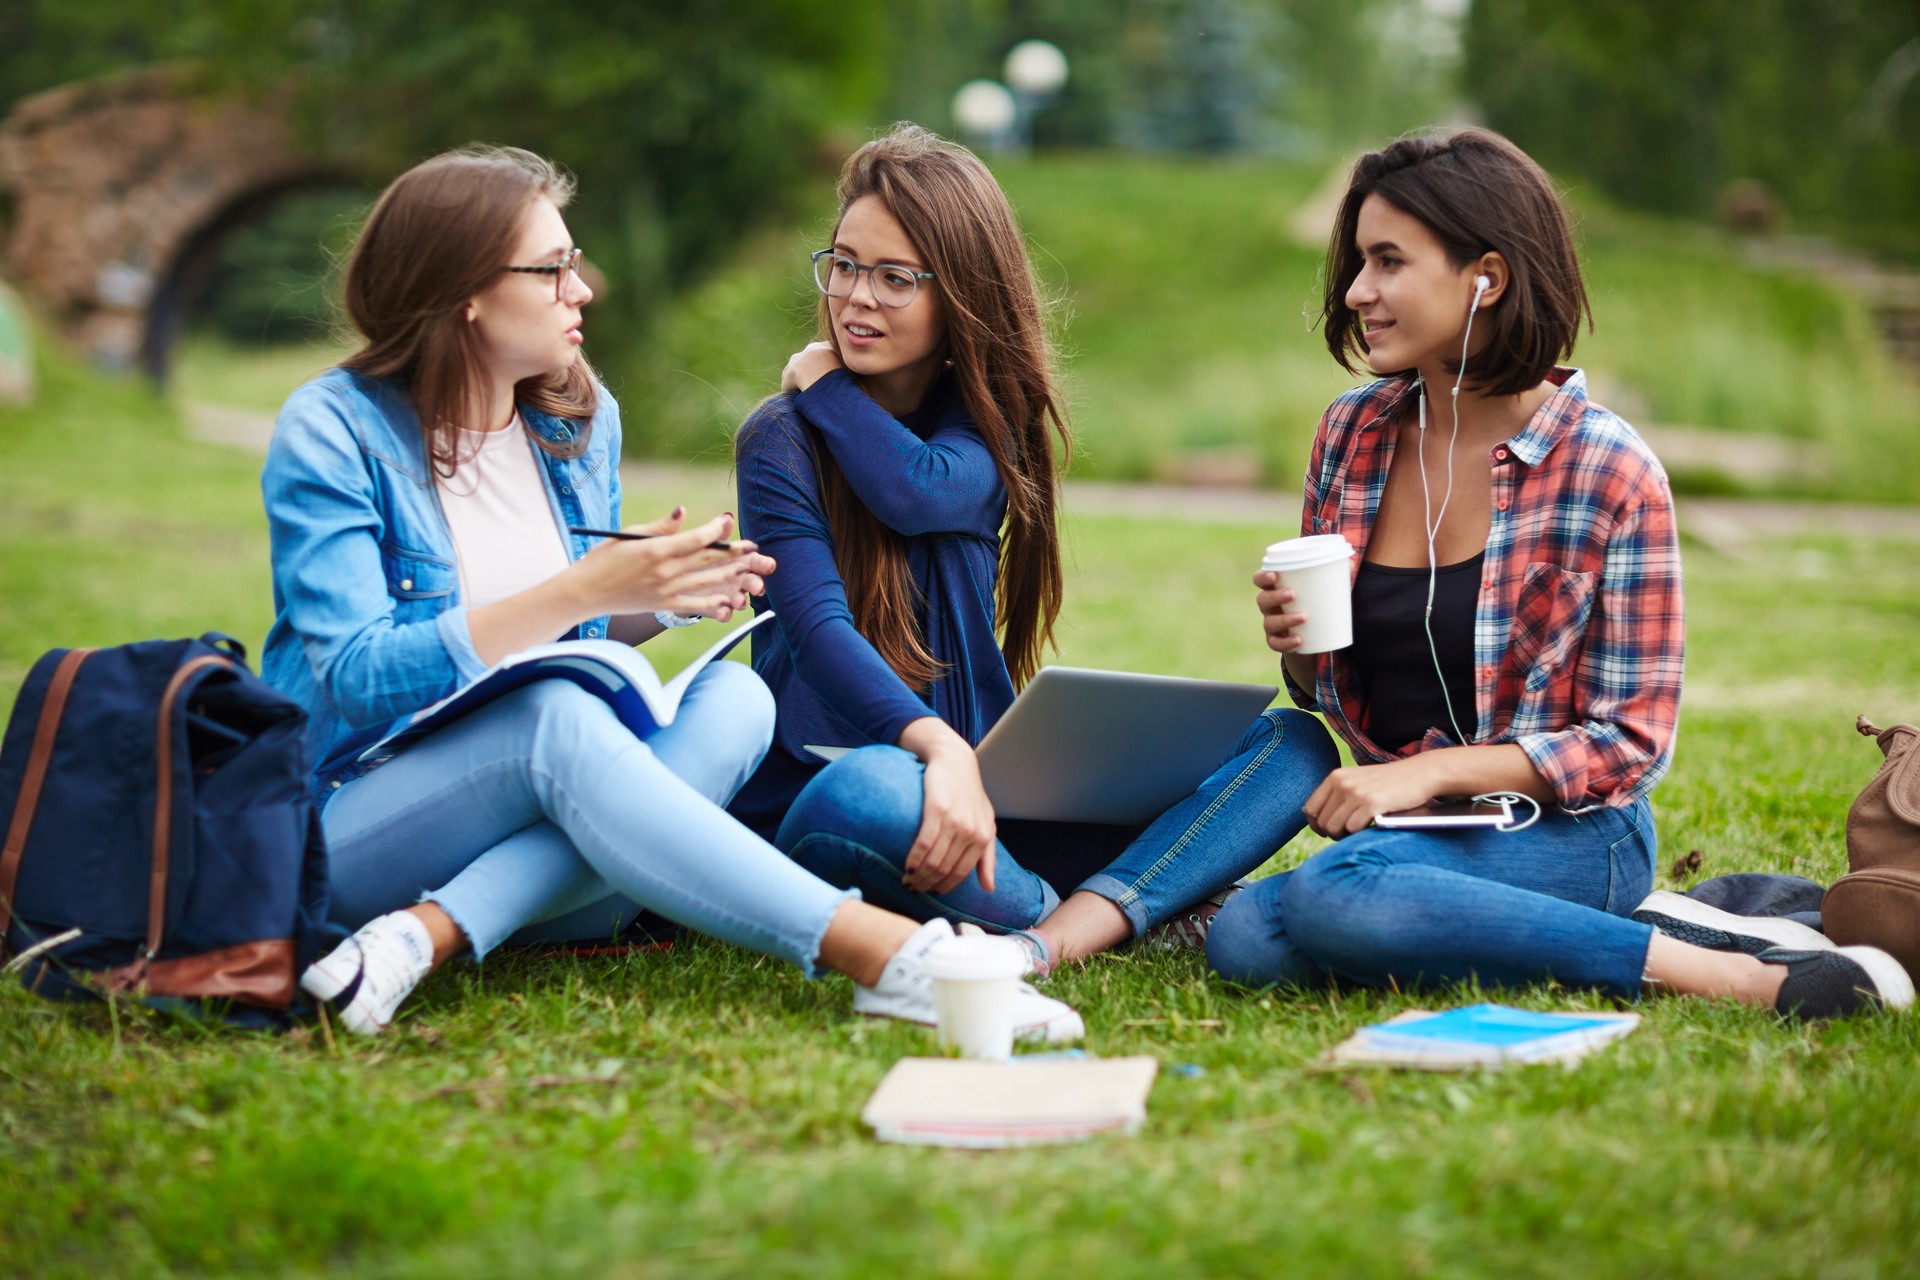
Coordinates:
(1518, 627)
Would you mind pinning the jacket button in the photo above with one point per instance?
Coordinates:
(406, 584)
(1501, 453)
(335, 784)
(565, 489)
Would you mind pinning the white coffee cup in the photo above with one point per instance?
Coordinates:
(974, 983)
(1316, 570)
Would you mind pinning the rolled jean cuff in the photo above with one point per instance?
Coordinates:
(471, 924)
(807, 957)
(1120, 894)
(1622, 959)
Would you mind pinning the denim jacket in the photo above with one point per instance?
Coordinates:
(368, 623)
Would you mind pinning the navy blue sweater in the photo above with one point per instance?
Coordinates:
(929, 478)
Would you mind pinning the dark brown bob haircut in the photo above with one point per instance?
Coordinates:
(439, 234)
(1478, 194)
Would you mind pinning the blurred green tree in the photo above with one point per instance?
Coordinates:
(685, 124)
(1664, 105)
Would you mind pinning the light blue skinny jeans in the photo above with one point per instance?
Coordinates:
(855, 822)
(540, 817)
(1421, 908)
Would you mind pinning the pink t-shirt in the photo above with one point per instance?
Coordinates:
(504, 536)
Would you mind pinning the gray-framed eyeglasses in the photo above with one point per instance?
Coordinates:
(569, 265)
(893, 285)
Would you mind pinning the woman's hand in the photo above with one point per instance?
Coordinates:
(1276, 612)
(1349, 798)
(1282, 625)
(675, 570)
(808, 365)
(956, 818)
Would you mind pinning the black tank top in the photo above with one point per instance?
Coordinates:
(1390, 655)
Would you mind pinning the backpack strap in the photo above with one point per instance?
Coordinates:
(130, 975)
(45, 730)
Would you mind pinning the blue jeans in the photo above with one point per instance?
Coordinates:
(855, 822)
(1420, 908)
(541, 809)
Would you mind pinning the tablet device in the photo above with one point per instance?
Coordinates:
(1451, 813)
(1108, 746)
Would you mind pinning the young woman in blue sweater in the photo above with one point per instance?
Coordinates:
(905, 480)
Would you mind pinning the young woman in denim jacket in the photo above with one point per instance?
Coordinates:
(1518, 628)
(905, 479)
(419, 498)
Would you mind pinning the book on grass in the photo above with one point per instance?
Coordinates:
(1480, 1035)
(616, 673)
(960, 1102)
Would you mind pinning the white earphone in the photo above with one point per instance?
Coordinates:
(1432, 522)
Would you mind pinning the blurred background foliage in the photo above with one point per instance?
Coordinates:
(1663, 105)
(1163, 193)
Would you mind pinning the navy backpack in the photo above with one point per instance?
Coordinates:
(160, 837)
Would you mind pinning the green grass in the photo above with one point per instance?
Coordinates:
(705, 1119)
(209, 370)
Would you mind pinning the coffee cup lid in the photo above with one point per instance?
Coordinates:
(976, 959)
(1305, 553)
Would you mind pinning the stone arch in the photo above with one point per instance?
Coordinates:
(123, 190)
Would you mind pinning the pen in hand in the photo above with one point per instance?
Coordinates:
(635, 537)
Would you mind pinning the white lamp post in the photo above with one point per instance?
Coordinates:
(985, 112)
(1037, 67)
(1036, 71)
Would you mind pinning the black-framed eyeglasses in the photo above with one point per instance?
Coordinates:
(569, 265)
(893, 285)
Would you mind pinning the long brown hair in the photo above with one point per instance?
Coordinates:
(437, 236)
(1477, 193)
(958, 218)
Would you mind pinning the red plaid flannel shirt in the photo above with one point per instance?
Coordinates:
(1579, 630)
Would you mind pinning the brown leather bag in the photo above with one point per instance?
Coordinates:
(1878, 903)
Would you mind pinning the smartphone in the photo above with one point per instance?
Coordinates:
(1448, 812)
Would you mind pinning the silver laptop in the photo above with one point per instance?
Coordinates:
(1109, 746)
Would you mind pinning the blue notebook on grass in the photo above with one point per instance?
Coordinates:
(1482, 1035)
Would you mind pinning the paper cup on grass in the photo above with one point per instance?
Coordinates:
(974, 982)
(1316, 569)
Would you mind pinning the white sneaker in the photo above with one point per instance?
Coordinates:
(366, 977)
(1691, 920)
(905, 991)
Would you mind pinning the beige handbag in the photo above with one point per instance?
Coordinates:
(1877, 903)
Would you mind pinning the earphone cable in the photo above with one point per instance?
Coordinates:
(1433, 523)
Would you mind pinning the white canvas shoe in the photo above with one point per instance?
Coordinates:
(905, 991)
(1691, 920)
(366, 977)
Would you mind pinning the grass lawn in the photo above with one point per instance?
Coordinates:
(694, 1111)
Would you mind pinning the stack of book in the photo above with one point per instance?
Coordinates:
(1480, 1035)
(954, 1102)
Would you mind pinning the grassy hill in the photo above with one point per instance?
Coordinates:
(1184, 307)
